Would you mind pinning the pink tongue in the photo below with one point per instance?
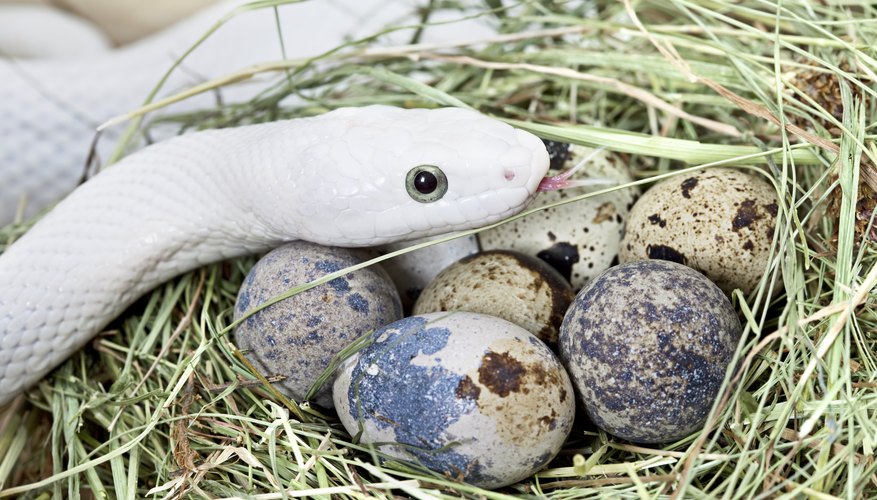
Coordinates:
(560, 181)
(563, 181)
(554, 182)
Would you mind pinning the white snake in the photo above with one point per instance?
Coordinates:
(49, 107)
(345, 178)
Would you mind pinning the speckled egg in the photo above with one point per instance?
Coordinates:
(719, 221)
(647, 345)
(414, 270)
(298, 337)
(510, 285)
(580, 239)
(467, 395)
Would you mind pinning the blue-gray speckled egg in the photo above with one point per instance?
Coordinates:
(647, 345)
(298, 337)
(468, 395)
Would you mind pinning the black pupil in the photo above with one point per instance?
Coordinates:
(425, 182)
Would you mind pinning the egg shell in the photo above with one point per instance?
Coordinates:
(298, 337)
(719, 221)
(580, 239)
(467, 395)
(647, 345)
(412, 271)
(510, 285)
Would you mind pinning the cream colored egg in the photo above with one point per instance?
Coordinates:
(412, 271)
(510, 285)
(579, 239)
(719, 221)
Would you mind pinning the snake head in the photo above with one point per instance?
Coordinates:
(416, 173)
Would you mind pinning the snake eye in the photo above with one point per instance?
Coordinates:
(426, 183)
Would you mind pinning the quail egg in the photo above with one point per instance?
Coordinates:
(414, 270)
(298, 337)
(579, 239)
(647, 345)
(467, 395)
(719, 221)
(510, 285)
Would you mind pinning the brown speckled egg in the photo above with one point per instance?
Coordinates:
(414, 270)
(647, 345)
(510, 285)
(719, 221)
(298, 337)
(580, 239)
(470, 396)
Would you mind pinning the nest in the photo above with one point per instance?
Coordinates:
(162, 404)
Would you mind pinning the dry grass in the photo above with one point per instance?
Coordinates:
(161, 404)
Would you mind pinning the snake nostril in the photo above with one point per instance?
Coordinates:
(509, 174)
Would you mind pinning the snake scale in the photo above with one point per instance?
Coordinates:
(50, 106)
(351, 177)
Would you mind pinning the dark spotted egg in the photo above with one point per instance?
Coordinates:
(579, 239)
(298, 337)
(470, 396)
(719, 221)
(647, 345)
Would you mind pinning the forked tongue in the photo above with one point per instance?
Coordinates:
(563, 181)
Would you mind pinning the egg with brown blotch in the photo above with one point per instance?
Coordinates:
(580, 239)
(719, 221)
(510, 285)
(470, 396)
(647, 345)
(298, 337)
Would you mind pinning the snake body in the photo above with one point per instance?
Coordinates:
(342, 178)
(50, 107)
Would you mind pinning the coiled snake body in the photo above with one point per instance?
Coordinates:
(352, 177)
(50, 107)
